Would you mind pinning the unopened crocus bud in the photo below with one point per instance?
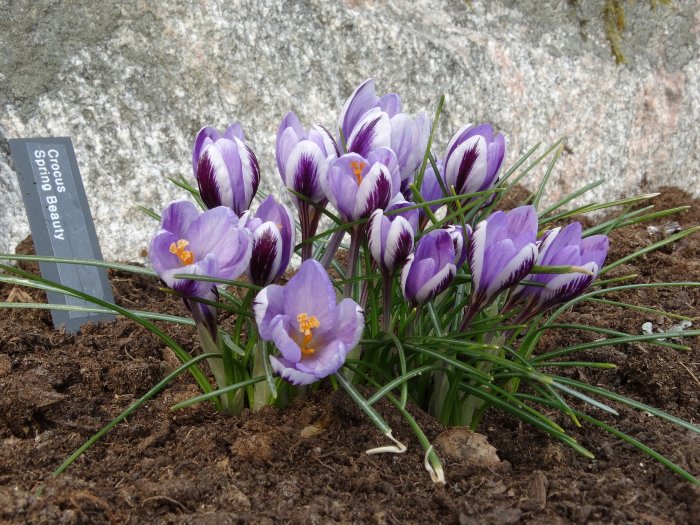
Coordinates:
(562, 247)
(226, 169)
(273, 236)
(502, 251)
(473, 159)
(430, 269)
(391, 236)
(303, 159)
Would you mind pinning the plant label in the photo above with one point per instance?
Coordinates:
(61, 224)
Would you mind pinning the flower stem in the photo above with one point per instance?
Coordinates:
(262, 390)
(352, 261)
(386, 302)
(331, 248)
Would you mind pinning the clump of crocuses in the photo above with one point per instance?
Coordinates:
(451, 277)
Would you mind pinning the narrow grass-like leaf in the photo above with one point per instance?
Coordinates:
(424, 164)
(543, 183)
(149, 212)
(571, 196)
(87, 262)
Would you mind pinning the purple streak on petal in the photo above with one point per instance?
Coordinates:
(399, 244)
(371, 133)
(466, 165)
(266, 255)
(362, 100)
(305, 167)
(436, 284)
(206, 136)
(207, 182)
(374, 192)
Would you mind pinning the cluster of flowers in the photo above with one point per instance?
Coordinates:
(369, 174)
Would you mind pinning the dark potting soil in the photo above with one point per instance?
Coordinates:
(307, 464)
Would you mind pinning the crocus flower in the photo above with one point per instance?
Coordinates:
(362, 100)
(312, 332)
(356, 186)
(562, 247)
(391, 236)
(226, 169)
(189, 242)
(302, 160)
(460, 238)
(273, 239)
(369, 122)
(409, 140)
(430, 269)
(473, 159)
(502, 251)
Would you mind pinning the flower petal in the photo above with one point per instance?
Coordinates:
(268, 304)
(286, 371)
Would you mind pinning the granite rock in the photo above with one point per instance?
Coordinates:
(132, 82)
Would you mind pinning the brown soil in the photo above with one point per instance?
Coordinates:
(197, 466)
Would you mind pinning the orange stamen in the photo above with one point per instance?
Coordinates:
(357, 168)
(306, 325)
(178, 248)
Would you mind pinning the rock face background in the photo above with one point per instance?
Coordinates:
(132, 82)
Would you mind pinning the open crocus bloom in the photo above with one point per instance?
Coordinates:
(312, 332)
(563, 247)
(189, 242)
(356, 186)
(226, 169)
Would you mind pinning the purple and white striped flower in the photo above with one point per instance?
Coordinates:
(356, 186)
(302, 160)
(363, 130)
(273, 236)
(460, 238)
(369, 122)
(430, 269)
(226, 169)
(312, 331)
(502, 251)
(473, 158)
(391, 236)
(562, 247)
